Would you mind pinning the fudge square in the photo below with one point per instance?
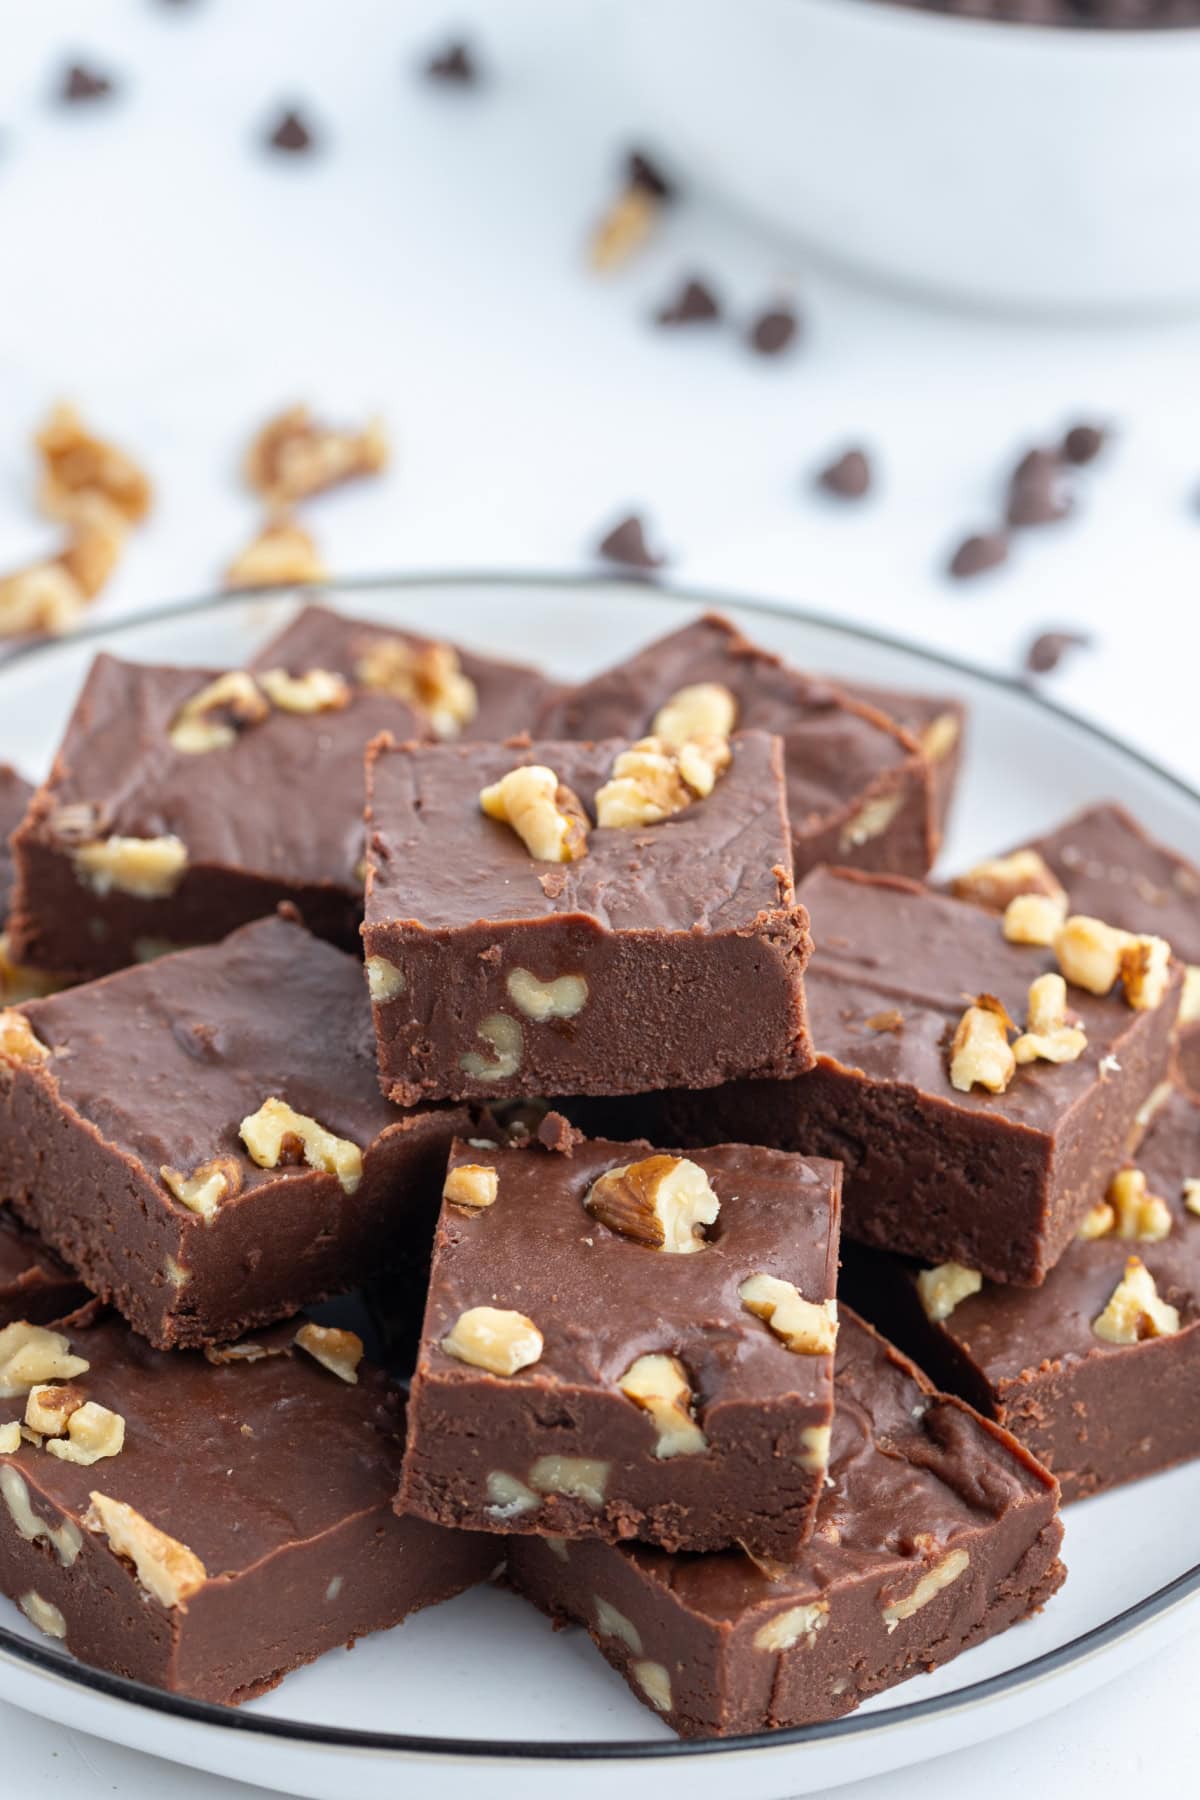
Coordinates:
(938, 722)
(859, 790)
(558, 955)
(1097, 1371)
(905, 995)
(203, 1140)
(208, 1525)
(937, 1530)
(621, 1343)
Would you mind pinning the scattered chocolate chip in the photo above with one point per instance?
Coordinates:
(454, 65)
(291, 134)
(81, 83)
(976, 554)
(848, 476)
(694, 304)
(626, 544)
(1037, 494)
(773, 330)
(1047, 651)
(1083, 444)
(642, 172)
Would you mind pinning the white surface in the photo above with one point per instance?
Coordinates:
(180, 286)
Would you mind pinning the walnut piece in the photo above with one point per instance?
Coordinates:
(1134, 1311)
(338, 1351)
(954, 1564)
(42, 600)
(1191, 1194)
(93, 1431)
(807, 1327)
(206, 1190)
(283, 553)
(78, 467)
(1189, 1004)
(277, 1134)
(427, 675)
(655, 1682)
(545, 814)
(940, 736)
(94, 546)
(385, 981)
(50, 1405)
(19, 1046)
(624, 228)
(17, 982)
(614, 1624)
(578, 1477)
(1034, 919)
(294, 456)
(940, 1290)
(10, 1437)
(66, 1540)
(507, 1040)
(661, 1201)
(786, 1629)
(32, 1354)
(1136, 1212)
(1047, 1035)
(1097, 1222)
(705, 710)
(44, 1614)
(870, 821)
(1146, 971)
(816, 1440)
(167, 1569)
(651, 781)
(508, 1498)
(561, 998)
(145, 868)
(489, 1337)
(980, 1053)
(472, 1184)
(659, 1384)
(1000, 879)
(214, 717)
(316, 691)
(1089, 953)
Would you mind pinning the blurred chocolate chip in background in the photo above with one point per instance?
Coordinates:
(694, 304)
(455, 65)
(641, 171)
(291, 134)
(1037, 491)
(773, 330)
(848, 476)
(626, 544)
(1083, 444)
(81, 83)
(1047, 650)
(976, 554)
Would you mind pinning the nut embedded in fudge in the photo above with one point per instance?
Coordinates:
(859, 790)
(624, 1343)
(1100, 1392)
(203, 1140)
(936, 1532)
(938, 722)
(936, 1165)
(221, 1522)
(536, 925)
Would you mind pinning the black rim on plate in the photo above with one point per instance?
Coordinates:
(56, 1663)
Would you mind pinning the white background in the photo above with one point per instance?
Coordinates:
(160, 269)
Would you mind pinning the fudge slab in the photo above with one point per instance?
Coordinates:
(666, 953)
(938, 1530)
(859, 791)
(997, 1182)
(34, 1285)
(1095, 1412)
(154, 1069)
(938, 722)
(274, 1478)
(558, 1446)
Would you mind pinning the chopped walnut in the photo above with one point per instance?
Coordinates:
(94, 546)
(651, 781)
(625, 227)
(277, 1134)
(385, 981)
(1146, 971)
(492, 1338)
(294, 456)
(786, 1629)
(93, 1431)
(870, 820)
(17, 982)
(206, 1190)
(546, 816)
(18, 1043)
(1191, 1194)
(1034, 919)
(1097, 1221)
(1137, 1213)
(283, 553)
(508, 1498)
(221, 1354)
(661, 1201)
(612, 1623)
(32, 1354)
(316, 691)
(807, 1327)
(42, 600)
(1089, 953)
(77, 467)
(660, 1385)
(428, 676)
(471, 1184)
(940, 736)
(654, 1679)
(561, 998)
(1047, 1035)
(705, 710)
(10, 1437)
(508, 1044)
(1189, 1005)
(578, 1477)
(338, 1351)
(50, 1405)
(980, 1052)
(1134, 1310)
(940, 1290)
(66, 1539)
(1003, 878)
(888, 1020)
(954, 1564)
(167, 1569)
(43, 1614)
(146, 868)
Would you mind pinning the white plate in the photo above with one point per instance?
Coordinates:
(479, 1697)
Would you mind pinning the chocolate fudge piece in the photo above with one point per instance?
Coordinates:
(34, 1285)
(245, 1523)
(937, 1531)
(203, 1140)
(662, 952)
(937, 721)
(858, 788)
(16, 982)
(593, 1365)
(1098, 1402)
(997, 1181)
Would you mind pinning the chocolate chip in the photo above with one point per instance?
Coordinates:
(291, 134)
(978, 553)
(1047, 651)
(773, 330)
(626, 544)
(454, 65)
(848, 476)
(694, 304)
(1083, 443)
(81, 83)
(1036, 492)
(642, 172)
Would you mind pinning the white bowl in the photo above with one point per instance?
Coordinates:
(1010, 165)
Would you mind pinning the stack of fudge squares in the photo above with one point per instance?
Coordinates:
(610, 1041)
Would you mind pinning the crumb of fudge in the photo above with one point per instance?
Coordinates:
(295, 456)
(316, 691)
(472, 1184)
(999, 880)
(92, 1433)
(940, 1290)
(282, 553)
(556, 1133)
(1048, 1037)
(214, 716)
(651, 781)
(33, 1354)
(338, 1351)
(276, 1134)
(19, 1044)
(208, 1187)
(167, 1569)
(664, 1202)
(494, 1338)
(659, 1384)
(980, 1053)
(147, 868)
(547, 817)
(1034, 919)
(428, 676)
(693, 304)
(806, 1327)
(1135, 1311)
(706, 709)
(78, 467)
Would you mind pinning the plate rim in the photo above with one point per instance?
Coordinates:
(1174, 1594)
